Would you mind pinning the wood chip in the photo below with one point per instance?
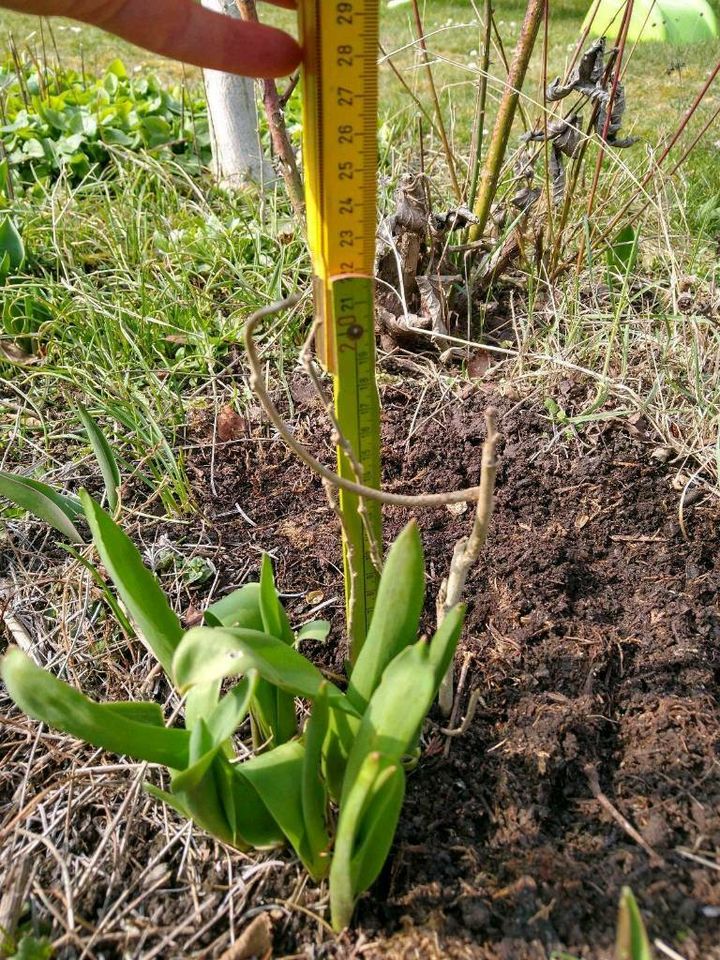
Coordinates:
(254, 943)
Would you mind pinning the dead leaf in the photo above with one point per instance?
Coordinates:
(663, 454)
(479, 364)
(15, 354)
(192, 617)
(254, 943)
(230, 425)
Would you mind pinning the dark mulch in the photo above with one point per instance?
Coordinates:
(595, 639)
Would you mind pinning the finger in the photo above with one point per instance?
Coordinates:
(185, 31)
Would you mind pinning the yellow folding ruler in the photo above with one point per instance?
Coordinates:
(340, 108)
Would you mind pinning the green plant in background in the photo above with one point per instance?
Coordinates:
(332, 790)
(29, 947)
(63, 121)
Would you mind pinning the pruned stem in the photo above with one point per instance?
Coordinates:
(506, 115)
(467, 550)
(274, 110)
(480, 105)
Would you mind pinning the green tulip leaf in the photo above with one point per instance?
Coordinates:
(111, 726)
(396, 618)
(277, 777)
(314, 793)
(241, 608)
(44, 502)
(104, 456)
(391, 723)
(139, 590)
(11, 245)
(211, 653)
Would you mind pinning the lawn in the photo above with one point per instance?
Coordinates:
(592, 626)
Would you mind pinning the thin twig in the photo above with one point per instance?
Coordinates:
(341, 441)
(467, 550)
(506, 115)
(450, 159)
(258, 387)
(594, 782)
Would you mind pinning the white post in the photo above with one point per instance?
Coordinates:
(232, 109)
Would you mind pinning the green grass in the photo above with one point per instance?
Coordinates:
(150, 273)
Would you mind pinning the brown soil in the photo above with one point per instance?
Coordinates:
(594, 634)
(594, 637)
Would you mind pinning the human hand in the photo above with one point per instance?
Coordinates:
(183, 30)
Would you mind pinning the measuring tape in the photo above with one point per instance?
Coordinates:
(340, 109)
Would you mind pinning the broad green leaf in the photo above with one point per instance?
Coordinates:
(170, 799)
(273, 711)
(316, 630)
(104, 457)
(31, 948)
(342, 730)
(277, 778)
(253, 823)
(42, 501)
(445, 641)
(632, 940)
(11, 244)
(110, 727)
(139, 711)
(200, 789)
(396, 617)
(200, 702)
(314, 794)
(241, 608)
(377, 828)
(139, 590)
(211, 653)
(117, 68)
(393, 718)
